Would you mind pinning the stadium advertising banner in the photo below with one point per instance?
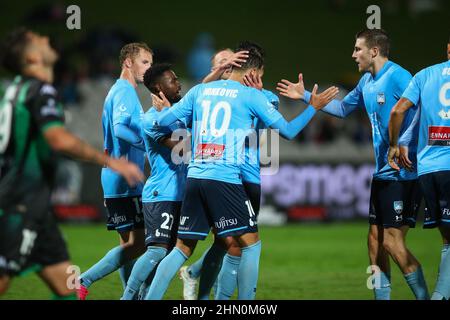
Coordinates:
(318, 192)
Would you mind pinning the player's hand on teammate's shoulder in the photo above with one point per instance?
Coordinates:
(292, 90)
(160, 102)
(128, 170)
(318, 101)
(253, 80)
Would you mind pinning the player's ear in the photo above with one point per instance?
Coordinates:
(128, 63)
(375, 52)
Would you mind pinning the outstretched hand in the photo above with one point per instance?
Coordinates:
(318, 101)
(292, 90)
(160, 102)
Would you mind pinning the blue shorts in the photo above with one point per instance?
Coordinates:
(161, 222)
(436, 191)
(394, 203)
(124, 214)
(215, 204)
(253, 192)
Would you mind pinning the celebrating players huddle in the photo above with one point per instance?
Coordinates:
(203, 151)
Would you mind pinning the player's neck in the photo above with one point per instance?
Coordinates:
(378, 64)
(40, 72)
(127, 75)
(237, 76)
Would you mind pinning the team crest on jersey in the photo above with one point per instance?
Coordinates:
(398, 206)
(381, 99)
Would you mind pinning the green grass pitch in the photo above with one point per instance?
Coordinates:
(298, 261)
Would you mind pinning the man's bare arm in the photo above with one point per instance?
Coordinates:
(61, 140)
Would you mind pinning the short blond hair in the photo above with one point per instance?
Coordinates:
(131, 50)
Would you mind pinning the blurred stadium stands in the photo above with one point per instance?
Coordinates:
(314, 37)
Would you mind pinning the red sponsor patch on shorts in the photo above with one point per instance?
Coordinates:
(438, 136)
(209, 151)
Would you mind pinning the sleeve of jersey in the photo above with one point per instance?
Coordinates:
(46, 110)
(123, 132)
(412, 92)
(289, 130)
(341, 108)
(402, 81)
(124, 102)
(156, 132)
(274, 100)
(263, 109)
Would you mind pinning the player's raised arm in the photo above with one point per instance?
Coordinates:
(395, 123)
(338, 108)
(234, 60)
(289, 130)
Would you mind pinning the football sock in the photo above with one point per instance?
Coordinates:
(416, 282)
(125, 271)
(142, 269)
(109, 263)
(383, 292)
(195, 269)
(211, 266)
(248, 271)
(146, 284)
(227, 279)
(167, 269)
(442, 290)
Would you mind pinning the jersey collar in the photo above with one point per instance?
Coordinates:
(383, 70)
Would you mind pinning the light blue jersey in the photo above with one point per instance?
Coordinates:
(251, 167)
(167, 179)
(378, 95)
(122, 106)
(430, 91)
(222, 113)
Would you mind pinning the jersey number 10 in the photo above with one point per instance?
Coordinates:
(211, 118)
